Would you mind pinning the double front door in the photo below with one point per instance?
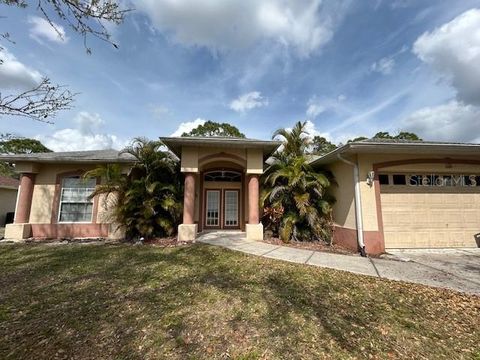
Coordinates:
(222, 209)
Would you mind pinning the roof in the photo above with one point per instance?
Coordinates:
(90, 156)
(399, 146)
(175, 143)
(8, 182)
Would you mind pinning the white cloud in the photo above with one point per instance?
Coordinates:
(454, 50)
(42, 29)
(248, 101)
(188, 126)
(159, 111)
(16, 75)
(313, 110)
(453, 121)
(384, 65)
(222, 25)
(316, 106)
(84, 136)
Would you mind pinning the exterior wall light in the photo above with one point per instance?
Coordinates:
(370, 178)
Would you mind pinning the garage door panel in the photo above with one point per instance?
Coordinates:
(430, 219)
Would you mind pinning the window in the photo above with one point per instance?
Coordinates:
(383, 179)
(399, 180)
(223, 175)
(75, 206)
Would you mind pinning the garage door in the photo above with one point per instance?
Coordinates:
(426, 215)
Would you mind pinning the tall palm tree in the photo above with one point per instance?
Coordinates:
(148, 199)
(297, 190)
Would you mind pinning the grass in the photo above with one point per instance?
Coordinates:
(202, 302)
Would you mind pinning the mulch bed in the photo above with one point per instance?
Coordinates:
(311, 245)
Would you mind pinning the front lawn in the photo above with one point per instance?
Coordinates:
(202, 302)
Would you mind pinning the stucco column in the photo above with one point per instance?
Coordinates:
(253, 199)
(24, 202)
(189, 199)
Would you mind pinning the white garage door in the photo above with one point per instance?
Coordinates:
(422, 215)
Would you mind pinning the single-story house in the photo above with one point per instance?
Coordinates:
(8, 197)
(390, 194)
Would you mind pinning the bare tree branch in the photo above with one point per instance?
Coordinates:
(39, 103)
(86, 17)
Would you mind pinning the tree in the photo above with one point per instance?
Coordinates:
(403, 135)
(359, 138)
(295, 141)
(148, 201)
(211, 128)
(321, 146)
(10, 144)
(85, 17)
(296, 191)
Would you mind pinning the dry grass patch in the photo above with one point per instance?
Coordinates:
(202, 302)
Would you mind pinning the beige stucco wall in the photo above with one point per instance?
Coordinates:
(8, 199)
(366, 161)
(195, 159)
(199, 159)
(44, 192)
(344, 207)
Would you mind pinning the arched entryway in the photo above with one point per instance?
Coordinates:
(222, 199)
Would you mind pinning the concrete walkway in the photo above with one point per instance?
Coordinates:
(410, 271)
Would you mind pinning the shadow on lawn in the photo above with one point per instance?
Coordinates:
(126, 302)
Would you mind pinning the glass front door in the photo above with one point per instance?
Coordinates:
(231, 208)
(212, 213)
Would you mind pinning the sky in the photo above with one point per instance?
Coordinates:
(348, 68)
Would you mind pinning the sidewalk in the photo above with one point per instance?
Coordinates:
(409, 271)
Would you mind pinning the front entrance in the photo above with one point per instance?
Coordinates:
(222, 209)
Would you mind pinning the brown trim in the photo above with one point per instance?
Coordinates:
(381, 165)
(220, 215)
(446, 161)
(243, 195)
(222, 155)
(200, 203)
(73, 230)
(224, 226)
(347, 238)
(58, 188)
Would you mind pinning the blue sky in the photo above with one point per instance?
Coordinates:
(350, 68)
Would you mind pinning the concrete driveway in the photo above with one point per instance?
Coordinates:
(461, 264)
(454, 269)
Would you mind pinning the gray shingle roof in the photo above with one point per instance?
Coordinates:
(89, 156)
(175, 143)
(400, 146)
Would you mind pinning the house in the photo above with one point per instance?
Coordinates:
(390, 194)
(405, 194)
(53, 199)
(8, 197)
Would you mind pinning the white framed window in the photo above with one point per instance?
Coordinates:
(75, 205)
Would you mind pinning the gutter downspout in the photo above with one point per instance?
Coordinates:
(358, 204)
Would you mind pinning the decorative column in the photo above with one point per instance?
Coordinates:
(21, 229)
(189, 199)
(24, 202)
(254, 227)
(253, 199)
(187, 231)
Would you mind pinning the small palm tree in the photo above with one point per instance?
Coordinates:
(148, 199)
(292, 185)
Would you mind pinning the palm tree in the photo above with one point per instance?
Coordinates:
(148, 199)
(293, 187)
